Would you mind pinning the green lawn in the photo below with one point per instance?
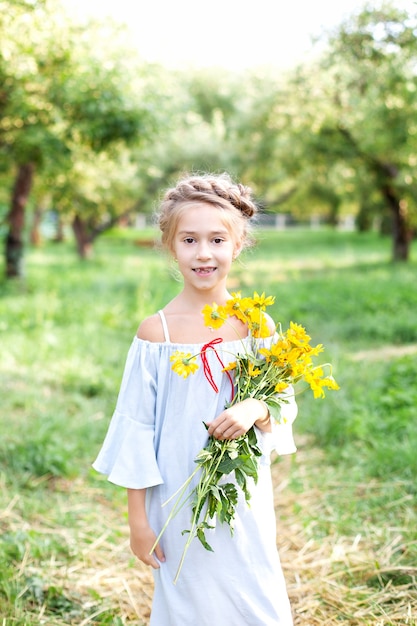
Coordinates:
(65, 330)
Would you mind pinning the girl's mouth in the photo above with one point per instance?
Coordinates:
(204, 270)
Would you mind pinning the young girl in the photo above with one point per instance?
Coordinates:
(158, 429)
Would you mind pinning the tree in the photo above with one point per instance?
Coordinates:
(361, 111)
(95, 193)
(21, 107)
(63, 93)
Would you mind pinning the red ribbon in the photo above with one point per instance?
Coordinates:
(206, 366)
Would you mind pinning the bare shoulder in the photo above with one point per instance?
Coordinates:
(270, 323)
(151, 329)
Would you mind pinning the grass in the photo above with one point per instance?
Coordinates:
(347, 507)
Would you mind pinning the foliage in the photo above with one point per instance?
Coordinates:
(71, 108)
(374, 424)
(360, 133)
(106, 131)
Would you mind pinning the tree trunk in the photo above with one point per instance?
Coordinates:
(59, 230)
(386, 173)
(82, 237)
(85, 235)
(35, 233)
(16, 220)
(401, 235)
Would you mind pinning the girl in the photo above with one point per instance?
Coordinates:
(158, 429)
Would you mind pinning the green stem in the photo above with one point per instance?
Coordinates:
(201, 496)
(183, 486)
(179, 503)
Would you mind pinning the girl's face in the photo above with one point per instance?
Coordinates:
(204, 247)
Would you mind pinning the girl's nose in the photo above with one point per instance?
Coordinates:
(203, 251)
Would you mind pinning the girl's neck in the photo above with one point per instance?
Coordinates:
(189, 300)
(186, 322)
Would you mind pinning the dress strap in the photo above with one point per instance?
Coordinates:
(164, 326)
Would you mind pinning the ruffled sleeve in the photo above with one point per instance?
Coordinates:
(281, 439)
(127, 456)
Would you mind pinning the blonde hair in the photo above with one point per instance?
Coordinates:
(233, 199)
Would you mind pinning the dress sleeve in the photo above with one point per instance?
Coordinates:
(127, 456)
(281, 437)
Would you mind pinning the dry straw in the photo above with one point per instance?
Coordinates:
(331, 579)
(338, 579)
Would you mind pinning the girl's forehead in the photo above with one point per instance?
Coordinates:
(202, 217)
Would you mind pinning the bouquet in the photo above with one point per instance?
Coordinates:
(259, 372)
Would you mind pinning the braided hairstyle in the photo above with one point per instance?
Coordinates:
(234, 200)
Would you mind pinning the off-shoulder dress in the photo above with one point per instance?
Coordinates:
(153, 438)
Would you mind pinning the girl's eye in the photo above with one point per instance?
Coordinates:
(188, 240)
(218, 240)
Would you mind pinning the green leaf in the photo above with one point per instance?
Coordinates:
(241, 481)
(203, 456)
(212, 506)
(275, 411)
(201, 536)
(274, 404)
(228, 465)
(214, 491)
(250, 467)
(251, 437)
(231, 492)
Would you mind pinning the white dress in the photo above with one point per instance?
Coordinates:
(154, 436)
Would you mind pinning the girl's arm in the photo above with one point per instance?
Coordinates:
(239, 418)
(142, 537)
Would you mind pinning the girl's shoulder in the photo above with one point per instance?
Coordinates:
(270, 323)
(150, 329)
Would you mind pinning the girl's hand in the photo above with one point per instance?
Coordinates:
(142, 539)
(239, 418)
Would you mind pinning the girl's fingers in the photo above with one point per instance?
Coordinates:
(225, 428)
(159, 553)
(217, 428)
(232, 432)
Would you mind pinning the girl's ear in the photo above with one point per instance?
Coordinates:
(237, 250)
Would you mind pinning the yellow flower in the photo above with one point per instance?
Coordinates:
(239, 307)
(262, 301)
(317, 383)
(281, 386)
(299, 369)
(214, 316)
(313, 378)
(257, 323)
(314, 351)
(183, 364)
(232, 306)
(293, 355)
(266, 353)
(330, 383)
(231, 366)
(297, 335)
(253, 371)
(278, 354)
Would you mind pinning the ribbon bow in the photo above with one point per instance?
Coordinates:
(206, 367)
